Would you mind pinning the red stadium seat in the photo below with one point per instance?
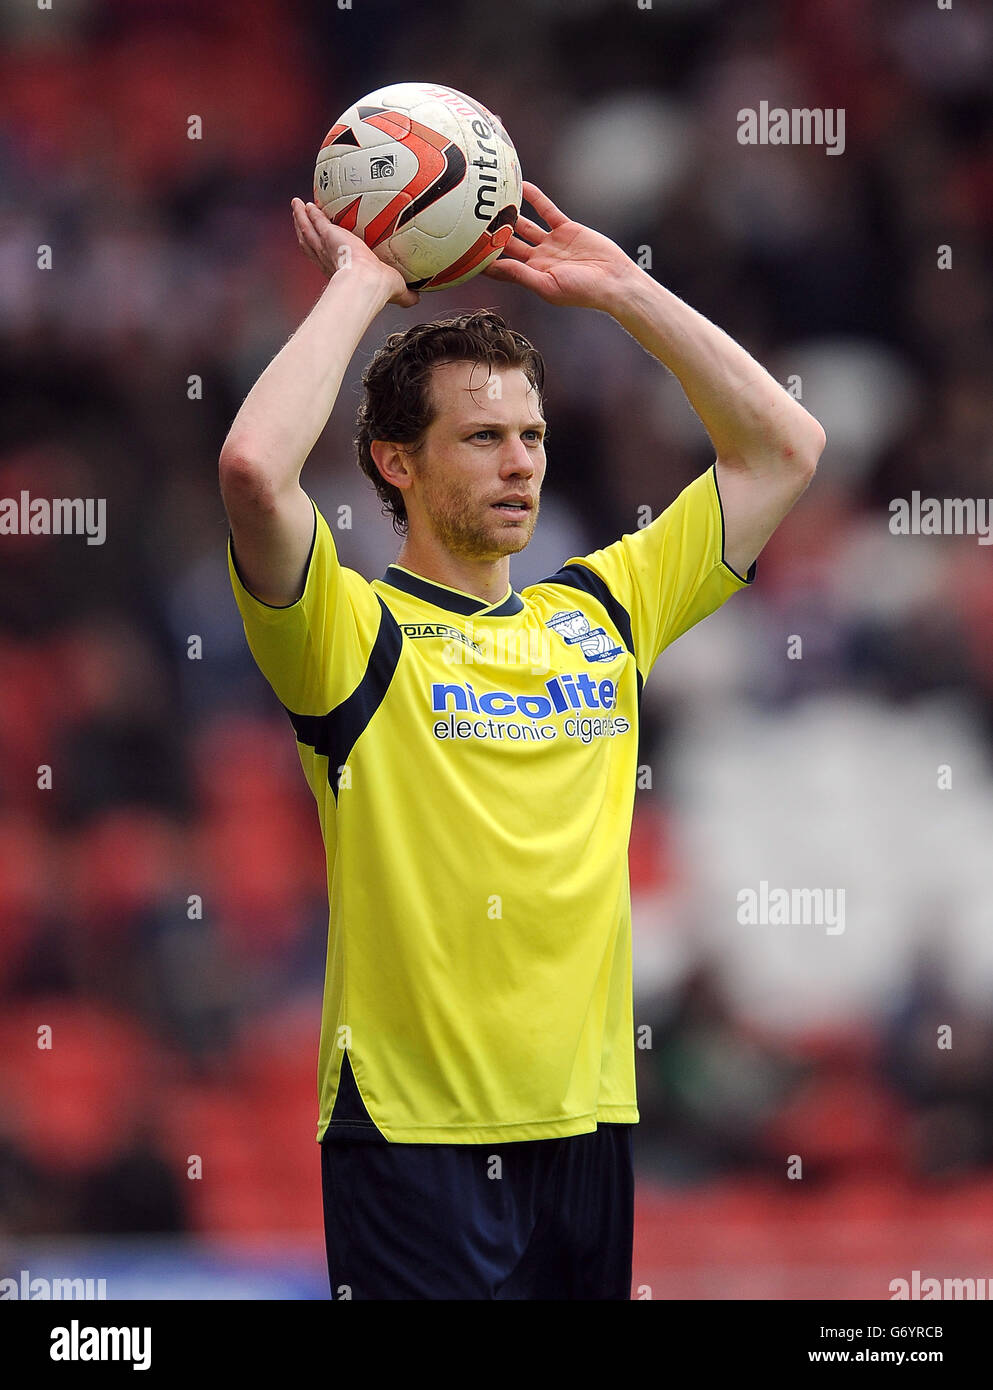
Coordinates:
(75, 1100)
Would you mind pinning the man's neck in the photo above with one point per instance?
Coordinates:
(487, 580)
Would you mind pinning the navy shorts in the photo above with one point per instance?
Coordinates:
(554, 1219)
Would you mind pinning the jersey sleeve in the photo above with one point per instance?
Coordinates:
(313, 652)
(671, 573)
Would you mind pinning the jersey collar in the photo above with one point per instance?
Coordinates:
(452, 599)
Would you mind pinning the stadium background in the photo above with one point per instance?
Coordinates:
(175, 258)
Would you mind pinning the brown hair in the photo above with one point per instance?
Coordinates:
(397, 403)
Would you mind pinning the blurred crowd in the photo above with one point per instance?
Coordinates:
(162, 894)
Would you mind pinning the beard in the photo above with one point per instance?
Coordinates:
(471, 529)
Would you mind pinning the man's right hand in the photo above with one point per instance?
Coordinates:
(282, 417)
(326, 244)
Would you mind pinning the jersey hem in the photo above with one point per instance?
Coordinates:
(618, 1115)
(276, 607)
(492, 1134)
(498, 1134)
(743, 579)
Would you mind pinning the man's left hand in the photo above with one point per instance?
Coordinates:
(569, 264)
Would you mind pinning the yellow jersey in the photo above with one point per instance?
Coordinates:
(474, 768)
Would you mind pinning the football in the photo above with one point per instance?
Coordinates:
(427, 177)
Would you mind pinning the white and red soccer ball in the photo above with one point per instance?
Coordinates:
(427, 177)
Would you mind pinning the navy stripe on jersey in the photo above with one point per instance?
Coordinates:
(334, 735)
(579, 577)
(752, 567)
(513, 603)
(277, 607)
(448, 598)
(349, 1118)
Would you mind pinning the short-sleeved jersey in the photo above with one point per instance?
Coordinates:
(474, 767)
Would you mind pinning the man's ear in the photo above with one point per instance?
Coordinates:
(393, 462)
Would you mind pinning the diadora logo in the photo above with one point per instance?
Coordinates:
(574, 627)
(382, 167)
(453, 634)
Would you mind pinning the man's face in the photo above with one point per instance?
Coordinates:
(485, 445)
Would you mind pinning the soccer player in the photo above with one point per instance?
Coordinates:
(472, 751)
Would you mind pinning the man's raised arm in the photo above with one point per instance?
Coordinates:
(281, 419)
(767, 445)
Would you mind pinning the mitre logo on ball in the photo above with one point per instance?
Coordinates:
(427, 177)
